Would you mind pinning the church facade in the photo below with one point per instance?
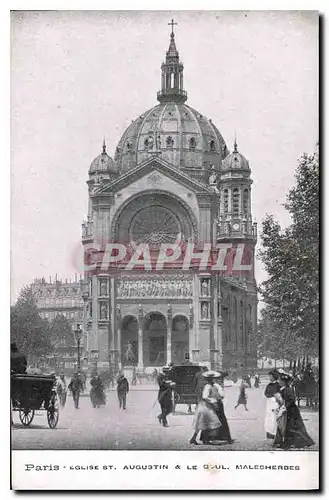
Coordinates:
(172, 181)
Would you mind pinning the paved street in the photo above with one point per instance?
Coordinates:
(137, 428)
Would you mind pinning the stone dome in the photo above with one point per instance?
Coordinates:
(178, 133)
(103, 163)
(235, 160)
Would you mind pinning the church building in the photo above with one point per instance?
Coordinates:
(172, 179)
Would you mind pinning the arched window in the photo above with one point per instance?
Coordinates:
(212, 146)
(236, 201)
(169, 142)
(146, 143)
(192, 143)
(128, 145)
(225, 197)
(245, 201)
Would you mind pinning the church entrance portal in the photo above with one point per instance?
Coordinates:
(155, 340)
(179, 340)
(129, 341)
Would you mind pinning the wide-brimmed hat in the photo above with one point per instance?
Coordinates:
(211, 374)
(275, 374)
(283, 374)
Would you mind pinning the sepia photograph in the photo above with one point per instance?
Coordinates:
(165, 232)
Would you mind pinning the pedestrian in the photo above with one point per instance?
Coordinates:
(205, 419)
(134, 377)
(242, 399)
(291, 431)
(61, 389)
(213, 394)
(76, 388)
(97, 394)
(166, 386)
(248, 380)
(272, 388)
(122, 390)
(256, 380)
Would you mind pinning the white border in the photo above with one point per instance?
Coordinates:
(5, 150)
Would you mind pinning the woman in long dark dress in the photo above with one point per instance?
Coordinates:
(213, 394)
(291, 431)
(242, 399)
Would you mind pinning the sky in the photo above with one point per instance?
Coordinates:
(79, 76)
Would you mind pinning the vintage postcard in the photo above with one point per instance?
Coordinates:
(165, 234)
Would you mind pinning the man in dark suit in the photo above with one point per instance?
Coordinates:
(18, 362)
(122, 390)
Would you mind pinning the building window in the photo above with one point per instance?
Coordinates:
(245, 201)
(225, 197)
(169, 142)
(212, 146)
(236, 201)
(192, 143)
(128, 145)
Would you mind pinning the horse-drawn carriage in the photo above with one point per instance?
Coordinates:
(30, 393)
(308, 390)
(186, 387)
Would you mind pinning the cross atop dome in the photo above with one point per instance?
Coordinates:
(172, 24)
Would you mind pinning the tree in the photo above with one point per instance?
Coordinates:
(27, 328)
(290, 257)
(61, 332)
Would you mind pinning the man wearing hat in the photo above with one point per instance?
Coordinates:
(18, 362)
(213, 395)
(165, 395)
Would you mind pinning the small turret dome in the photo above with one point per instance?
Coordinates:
(103, 163)
(235, 160)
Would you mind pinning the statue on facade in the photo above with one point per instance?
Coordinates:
(103, 311)
(205, 288)
(103, 287)
(129, 353)
(213, 177)
(204, 310)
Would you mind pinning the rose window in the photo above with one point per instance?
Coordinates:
(155, 225)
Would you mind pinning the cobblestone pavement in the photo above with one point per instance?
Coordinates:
(137, 427)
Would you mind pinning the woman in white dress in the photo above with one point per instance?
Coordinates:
(212, 396)
(271, 390)
(205, 418)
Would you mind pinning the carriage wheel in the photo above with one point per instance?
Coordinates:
(26, 416)
(53, 412)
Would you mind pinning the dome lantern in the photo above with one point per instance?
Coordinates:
(172, 89)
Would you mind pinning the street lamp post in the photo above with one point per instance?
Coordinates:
(78, 335)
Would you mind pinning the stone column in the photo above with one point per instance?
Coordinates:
(118, 323)
(112, 326)
(140, 336)
(169, 327)
(192, 351)
(218, 327)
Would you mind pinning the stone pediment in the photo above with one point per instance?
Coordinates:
(154, 169)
